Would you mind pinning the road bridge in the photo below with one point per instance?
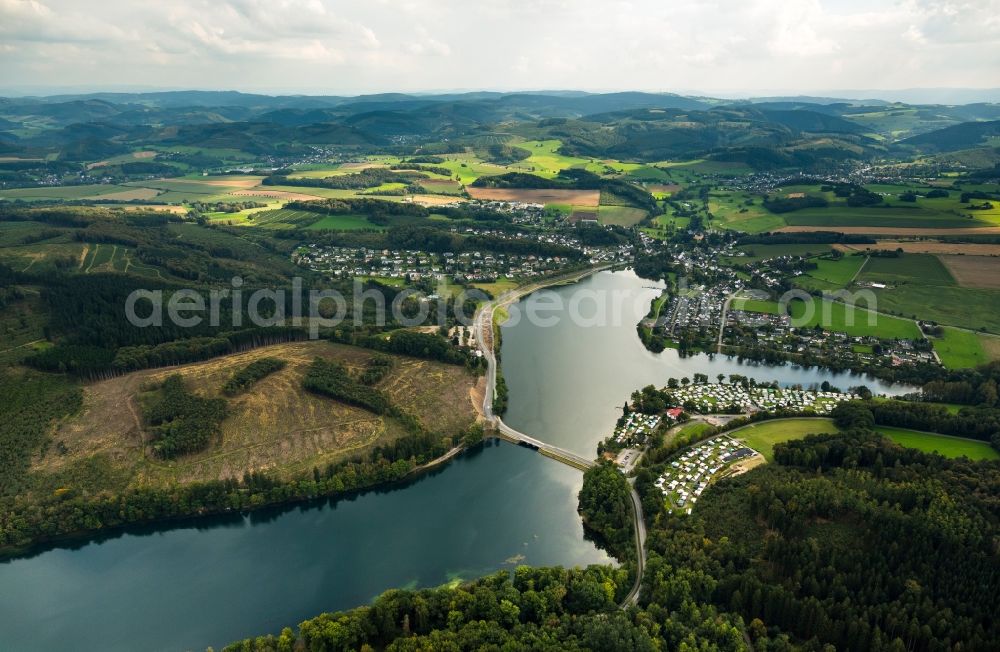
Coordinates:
(484, 325)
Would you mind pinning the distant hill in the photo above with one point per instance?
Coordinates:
(962, 136)
(813, 121)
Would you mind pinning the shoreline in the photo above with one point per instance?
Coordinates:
(85, 537)
(80, 538)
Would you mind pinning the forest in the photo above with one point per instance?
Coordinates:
(801, 554)
(181, 422)
(980, 422)
(605, 505)
(246, 377)
(331, 379)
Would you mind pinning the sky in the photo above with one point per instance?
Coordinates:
(362, 46)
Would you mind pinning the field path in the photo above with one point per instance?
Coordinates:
(860, 269)
(83, 256)
(97, 249)
(21, 346)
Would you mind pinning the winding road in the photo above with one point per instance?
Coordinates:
(484, 324)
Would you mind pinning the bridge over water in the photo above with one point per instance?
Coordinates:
(483, 329)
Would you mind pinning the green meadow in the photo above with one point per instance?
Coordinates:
(941, 444)
(925, 269)
(960, 349)
(763, 436)
(921, 286)
(620, 215)
(343, 223)
(853, 320)
(758, 252)
(755, 305)
(62, 192)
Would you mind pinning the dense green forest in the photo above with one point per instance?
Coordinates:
(605, 506)
(251, 374)
(181, 422)
(846, 542)
(331, 379)
(979, 422)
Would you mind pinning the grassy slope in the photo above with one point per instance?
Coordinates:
(763, 436)
(941, 444)
(960, 349)
(853, 321)
(275, 425)
(922, 286)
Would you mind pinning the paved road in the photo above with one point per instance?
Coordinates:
(640, 545)
(722, 324)
(484, 323)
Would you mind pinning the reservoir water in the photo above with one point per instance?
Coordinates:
(185, 586)
(214, 581)
(568, 380)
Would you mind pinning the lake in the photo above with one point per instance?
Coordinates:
(567, 382)
(208, 582)
(213, 581)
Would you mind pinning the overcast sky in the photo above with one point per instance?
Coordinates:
(352, 46)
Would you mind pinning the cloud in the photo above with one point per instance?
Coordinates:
(382, 45)
(427, 45)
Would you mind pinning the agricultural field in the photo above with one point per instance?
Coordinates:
(65, 192)
(931, 247)
(896, 217)
(898, 232)
(143, 194)
(620, 215)
(920, 285)
(305, 194)
(924, 269)
(275, 425)
(688, 171)
(730, 211)
(763, 436)
(265, 192)
(343, 223)
(546, 161)
(441, 186)
(755, 305)
(758, 252)
(283, 218)
(837, 273)
(953, 306)
(959, 349)
(853, 320)
(941, 444)
(466, 168)
(434, 200)
(974, 271)
(991, 346)
(538, 196)
(924, 213)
